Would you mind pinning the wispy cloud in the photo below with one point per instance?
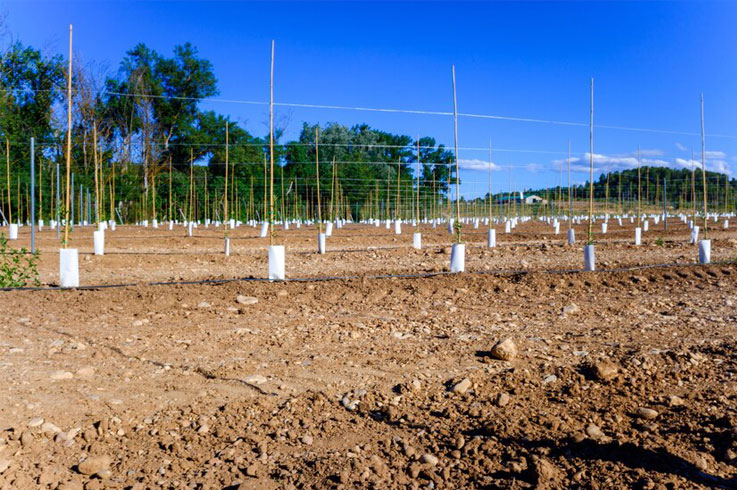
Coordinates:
(477, 164)
(715, 154)
(681, 147)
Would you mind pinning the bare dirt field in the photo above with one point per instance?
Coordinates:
(137, 255)
(623, 378)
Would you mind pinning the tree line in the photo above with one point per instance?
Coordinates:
(143, 148)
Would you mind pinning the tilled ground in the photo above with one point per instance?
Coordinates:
(622, 379)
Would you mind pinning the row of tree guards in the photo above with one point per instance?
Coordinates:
(252, 202)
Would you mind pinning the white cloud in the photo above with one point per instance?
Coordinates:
(477, 164)
(681, 147)
(717, 165)
(716, 161)
(720, 166)
(715, 154)
(648, 153)
(689, 164)
(610, 163)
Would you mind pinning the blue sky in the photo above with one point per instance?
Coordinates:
(650, 62)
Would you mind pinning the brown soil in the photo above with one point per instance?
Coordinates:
(135, 255)
(360, 383)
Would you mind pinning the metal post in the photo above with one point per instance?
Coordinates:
(58, 223)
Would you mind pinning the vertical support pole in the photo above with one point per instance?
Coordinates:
(71, 203)
(317, 178)
(58, 209)
(33, 197)
(458, 175)
(570, 202)
(703, 164)
(69, 142)
(639, 188)
(591, 165)
(225, 193)
(271, 149)
(491, 209)
(665, 204)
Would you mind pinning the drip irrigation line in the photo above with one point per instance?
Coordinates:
(417, 275)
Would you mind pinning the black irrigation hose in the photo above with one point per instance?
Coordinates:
(418, 275)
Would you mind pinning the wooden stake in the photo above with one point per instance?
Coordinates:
(491, 212)
(591, 169)
(639, 188)
(317, 178)
(458, 185)
(41, 188)
(191, 185)
(397, 204)
(69, 143)
(271, 150)
(570, 196)
(703, 164)
(225, 193)
(112, 190)
(97, 176)
(7, 168)
(693, 192)
(169, 214)
(417, 217)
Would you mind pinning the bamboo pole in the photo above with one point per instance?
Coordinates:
(417, 217)
(69, 143)
(458, 185)
(570, 197)
(169, 214)
(225, 193)
(388, 183)
(703, 164)
(639, 188)
(191, 186)
(271, 150)
(491, 211)
(7, 168)
(153, 195)
(399, 178)
(251, 202)
(112, 190)
(435, 196)
(693, 192)
(726, 192)
(283, 217)
(591, 167)
(97, 177)
(332, 192)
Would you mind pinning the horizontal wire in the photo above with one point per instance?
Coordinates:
(408, 111)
